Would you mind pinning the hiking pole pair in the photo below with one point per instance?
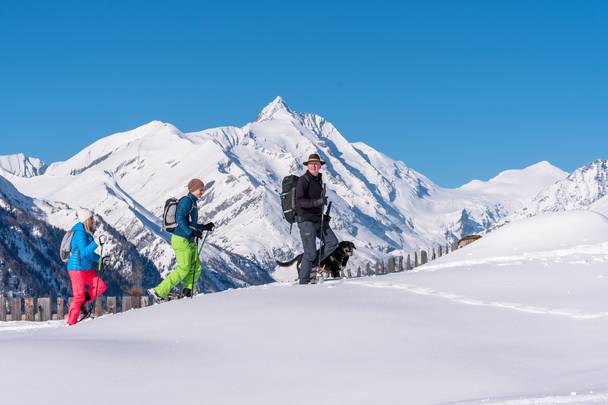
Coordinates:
(199, 247)
(102, 241)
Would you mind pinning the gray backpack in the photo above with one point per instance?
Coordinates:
(65, 251)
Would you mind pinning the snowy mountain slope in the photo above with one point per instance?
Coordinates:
(20, 165)
(601, 206)
(514, 188)
(379, 203)
(579, 190)
(530, 329)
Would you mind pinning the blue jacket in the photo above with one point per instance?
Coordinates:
(186, 216)
(83, 247)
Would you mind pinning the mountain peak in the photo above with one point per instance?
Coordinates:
(21, 165)
(274, 108)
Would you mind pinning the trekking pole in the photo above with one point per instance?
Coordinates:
(102, 241)
(322, 230)
(198, 256)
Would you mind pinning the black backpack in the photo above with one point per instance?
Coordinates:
(288, 198)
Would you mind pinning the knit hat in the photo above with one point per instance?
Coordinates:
(195, 184)
(83, 214)
(314, 158)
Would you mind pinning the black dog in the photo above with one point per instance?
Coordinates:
(332, 264)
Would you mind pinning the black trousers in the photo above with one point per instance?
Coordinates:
(309, 232)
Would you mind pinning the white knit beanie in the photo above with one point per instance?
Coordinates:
(83, 214)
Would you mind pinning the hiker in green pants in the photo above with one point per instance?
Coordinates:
(183, 241)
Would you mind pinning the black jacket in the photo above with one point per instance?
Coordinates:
(308, 189)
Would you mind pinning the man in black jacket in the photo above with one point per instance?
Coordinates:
(310, 201)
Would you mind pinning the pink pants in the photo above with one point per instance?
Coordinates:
(80, 279)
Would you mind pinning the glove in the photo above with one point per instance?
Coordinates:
(319, 202)
(100, 239)
(106, 260)
(197, 233)
(208, 227)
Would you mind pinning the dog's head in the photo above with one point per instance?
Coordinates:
(347, 248)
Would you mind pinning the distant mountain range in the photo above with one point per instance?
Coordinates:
(379, 203)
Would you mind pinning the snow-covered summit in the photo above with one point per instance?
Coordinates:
(519, 185)
(275, 108)
(21, 165)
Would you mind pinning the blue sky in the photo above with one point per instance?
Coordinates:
(456, 89)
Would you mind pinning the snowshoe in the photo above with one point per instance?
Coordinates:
(154, 297)
(85, 312)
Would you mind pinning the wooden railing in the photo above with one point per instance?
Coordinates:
(44, 309)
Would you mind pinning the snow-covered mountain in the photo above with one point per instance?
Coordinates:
(20, 165)
(379, 203)
(582, 189)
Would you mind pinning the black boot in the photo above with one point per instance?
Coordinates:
(186, 292)
(85, 308)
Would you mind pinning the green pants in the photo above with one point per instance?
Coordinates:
(188, 266)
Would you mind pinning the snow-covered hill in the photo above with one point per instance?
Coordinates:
(20, 165)
(379, 203)
(519, 317)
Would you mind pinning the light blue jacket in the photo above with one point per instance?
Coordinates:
(83, 256)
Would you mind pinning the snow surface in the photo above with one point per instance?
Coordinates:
(518, 317)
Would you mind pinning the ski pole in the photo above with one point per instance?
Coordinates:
(198, 256)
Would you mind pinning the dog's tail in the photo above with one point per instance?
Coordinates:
(288, 263)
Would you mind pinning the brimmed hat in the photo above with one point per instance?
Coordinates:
(314, 158)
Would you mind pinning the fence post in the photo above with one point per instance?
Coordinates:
(391, 264)
(98, 307)
(408, 263)
(2, 308)
(111, 305)
(359, 271)
(16, 309)
(400, 263)
(127, 304)
(60, 304)
(433, 256)
(423, 257)
(440, 250)
(29, 309)
(44, 308)
(416, 259)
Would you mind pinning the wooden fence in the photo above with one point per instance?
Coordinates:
(46, 309)
(395, 264)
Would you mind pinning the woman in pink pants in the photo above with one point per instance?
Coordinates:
(81, 266)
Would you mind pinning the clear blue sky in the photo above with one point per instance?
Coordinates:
(456, 89)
